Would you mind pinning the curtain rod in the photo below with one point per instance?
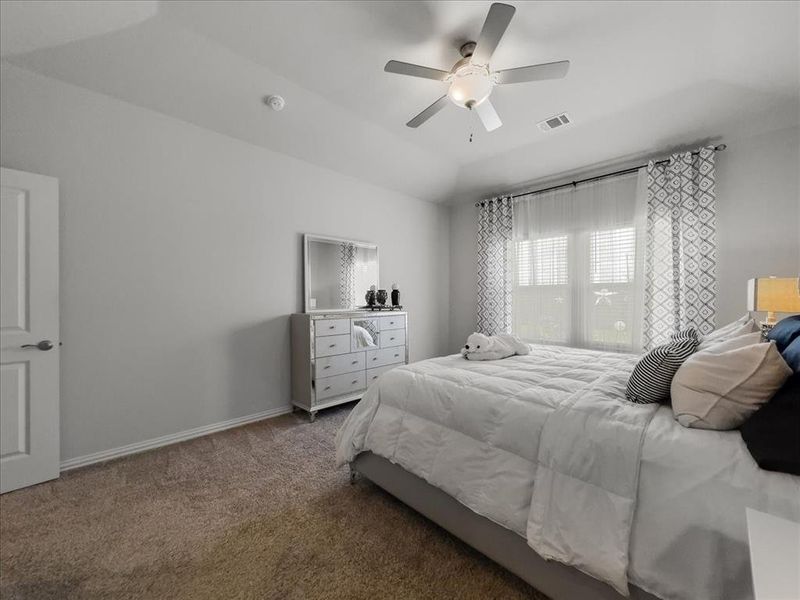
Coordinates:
(718, 148)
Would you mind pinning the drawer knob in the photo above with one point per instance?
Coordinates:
(326, 367)
(355, 362)
(391, 339)
(376, 358)
(332, 327)
(355, 381)
(327, 387)
(396, 355)
(333, 345)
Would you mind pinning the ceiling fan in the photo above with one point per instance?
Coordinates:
(471, 80)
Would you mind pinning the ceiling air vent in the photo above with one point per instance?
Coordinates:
(554, 122)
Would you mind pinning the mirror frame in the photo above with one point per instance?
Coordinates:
(310, 237)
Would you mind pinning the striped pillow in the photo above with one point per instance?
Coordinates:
(652, 376)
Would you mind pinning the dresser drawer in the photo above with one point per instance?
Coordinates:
(393, 337)
(394, 322)
(332, 344)
(332, 326)
(373, 374)
(328, 387)
(341, 363)
(385, 356)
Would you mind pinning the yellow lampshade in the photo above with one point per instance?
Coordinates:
(774, 294)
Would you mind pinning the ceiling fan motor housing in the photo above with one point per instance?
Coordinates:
(467, 49)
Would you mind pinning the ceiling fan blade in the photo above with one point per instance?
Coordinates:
(488, 115)
(403, 68)
(553, 70)
(428, 112)
(493, 29)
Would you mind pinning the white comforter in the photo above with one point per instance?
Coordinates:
(618, 495)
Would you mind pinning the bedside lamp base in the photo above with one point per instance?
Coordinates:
(768, 324)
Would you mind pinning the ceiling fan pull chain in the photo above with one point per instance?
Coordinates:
(471, 130)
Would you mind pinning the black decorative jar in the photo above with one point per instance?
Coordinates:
(382, 297)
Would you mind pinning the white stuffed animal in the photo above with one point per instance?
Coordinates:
(484, 347)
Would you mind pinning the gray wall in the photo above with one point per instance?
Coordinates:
(758, 214)
(758, 224)
(181, 260)
(463, 272)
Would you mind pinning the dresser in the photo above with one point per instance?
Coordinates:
(337, 356)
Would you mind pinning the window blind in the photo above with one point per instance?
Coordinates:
(612, 255)
(542, 261)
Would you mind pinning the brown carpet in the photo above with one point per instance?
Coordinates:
(253, 512)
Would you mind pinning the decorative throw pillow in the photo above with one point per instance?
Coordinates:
(748, 339)
(651, 377)
(792, 357)
(739, 327)
(785, 332)
(721, 390)
(771, 435)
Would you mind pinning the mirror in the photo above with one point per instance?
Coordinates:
(338, 273)
(365, 334)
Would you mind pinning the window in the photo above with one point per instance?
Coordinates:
(542, 262)
(541, 303)
(612, 255)
(579, 287)
(609, 312)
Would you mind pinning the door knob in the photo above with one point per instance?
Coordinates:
(44, 345)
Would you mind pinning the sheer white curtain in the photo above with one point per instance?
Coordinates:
(577, 264)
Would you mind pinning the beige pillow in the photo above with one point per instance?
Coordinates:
(720, 390)
(747, 339)
(738, 328)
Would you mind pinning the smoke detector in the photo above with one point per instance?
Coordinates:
(554, 122)
(276, 103)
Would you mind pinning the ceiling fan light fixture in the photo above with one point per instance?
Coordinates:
(470, 85)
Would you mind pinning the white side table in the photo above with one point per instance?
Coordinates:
(774, 556)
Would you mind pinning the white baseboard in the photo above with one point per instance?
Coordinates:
(173, 438)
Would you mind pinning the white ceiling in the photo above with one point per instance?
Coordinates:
(26, 25)
(644, 77)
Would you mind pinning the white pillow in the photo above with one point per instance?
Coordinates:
(739, 327)
(721, 390)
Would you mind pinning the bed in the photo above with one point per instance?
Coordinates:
(540, 463)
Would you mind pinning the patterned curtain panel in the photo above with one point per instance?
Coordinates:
(681, 253)
(347, 275)
(494, 272)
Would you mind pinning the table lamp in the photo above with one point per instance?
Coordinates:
(773, 295)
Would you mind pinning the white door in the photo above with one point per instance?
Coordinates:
(29, 347)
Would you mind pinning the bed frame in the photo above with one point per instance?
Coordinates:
(502, 545)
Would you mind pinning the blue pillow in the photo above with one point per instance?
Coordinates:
(785, 332)
(792, 355)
